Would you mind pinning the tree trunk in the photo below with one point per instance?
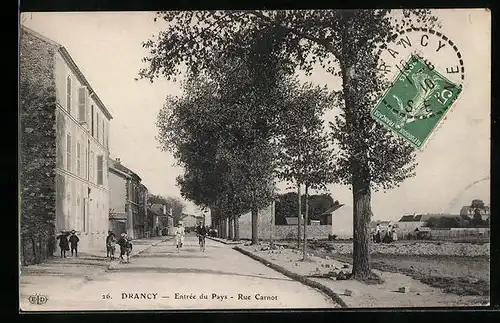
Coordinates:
(359, 167)
(361, 221)
(33, 248)
(255, 218)
(298, 217)
(231, 227)
(236, 222)
(306, 216)
(224, 228)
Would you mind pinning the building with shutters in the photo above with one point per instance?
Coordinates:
(81, 122)
(128, 202)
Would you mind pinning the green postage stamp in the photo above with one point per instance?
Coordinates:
(416, 102)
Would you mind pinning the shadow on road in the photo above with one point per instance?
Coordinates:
(164, 270)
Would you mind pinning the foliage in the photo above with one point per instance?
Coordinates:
(477, 204)
(173, 203)
(217, 133)
(287, 205)
(37, 139)
(304, 154)
(344, 43)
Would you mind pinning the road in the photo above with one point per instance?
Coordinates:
(162, 278)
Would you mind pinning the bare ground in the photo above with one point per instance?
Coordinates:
(461, 275)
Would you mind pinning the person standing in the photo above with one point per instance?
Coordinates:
(110, 245)
(377, 233)
(73, 240)
(122, 242)
(394, 234)
(63, 243)
(179, 235)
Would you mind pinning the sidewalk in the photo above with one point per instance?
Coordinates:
(78, 270)
(225, 241)
(352, 293)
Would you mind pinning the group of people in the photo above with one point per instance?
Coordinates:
(201, 232)
(390, 234)
(124, 242)
(67, 241)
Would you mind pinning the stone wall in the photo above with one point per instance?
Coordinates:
(264, 224)
(37, 137)
(289, 232)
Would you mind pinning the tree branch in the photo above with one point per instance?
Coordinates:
(316, 40)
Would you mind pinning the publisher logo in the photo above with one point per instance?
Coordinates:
(38, 299)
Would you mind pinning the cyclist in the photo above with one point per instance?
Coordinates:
(179, 235)
(201, 232)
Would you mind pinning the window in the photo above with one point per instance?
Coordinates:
(68, 151)
(85, 164)
(91, 175)
(68, 94)
(103, 133)
(100, 170)
(84, 215)
(92, 119)
(82, 104)
(78, 158)
(97, 125)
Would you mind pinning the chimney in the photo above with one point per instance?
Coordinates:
(117, 160)
(164, 209)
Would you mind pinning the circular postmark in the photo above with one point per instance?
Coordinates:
(426, 62)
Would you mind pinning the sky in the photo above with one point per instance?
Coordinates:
(107, 48)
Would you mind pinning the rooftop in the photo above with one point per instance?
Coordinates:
(71, 63)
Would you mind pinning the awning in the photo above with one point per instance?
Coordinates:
(118, 220)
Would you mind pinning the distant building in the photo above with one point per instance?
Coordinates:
(420, 221)
(161, 218)
(127, 201)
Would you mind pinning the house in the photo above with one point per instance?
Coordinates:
(411, 222)
(162, 218)
(326, 217)
(342, 221)
(64, 143)
(128, 211)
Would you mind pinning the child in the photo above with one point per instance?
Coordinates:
(110, 245)
(73, 240)
(125, 244)
(63, 242)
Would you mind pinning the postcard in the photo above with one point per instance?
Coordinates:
(256, 159)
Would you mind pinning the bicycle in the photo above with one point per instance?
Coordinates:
(201, 242)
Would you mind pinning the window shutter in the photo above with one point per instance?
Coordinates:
(100, 170)
(82, 104)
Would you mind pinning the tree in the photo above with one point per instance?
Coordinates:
(344, 43)
(173, 203)
(432, 222)
(477, 204)
(287, 205)
(233, 170)
(304, 154)
(447, 222)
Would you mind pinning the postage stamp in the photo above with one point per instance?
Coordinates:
(416, 101)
